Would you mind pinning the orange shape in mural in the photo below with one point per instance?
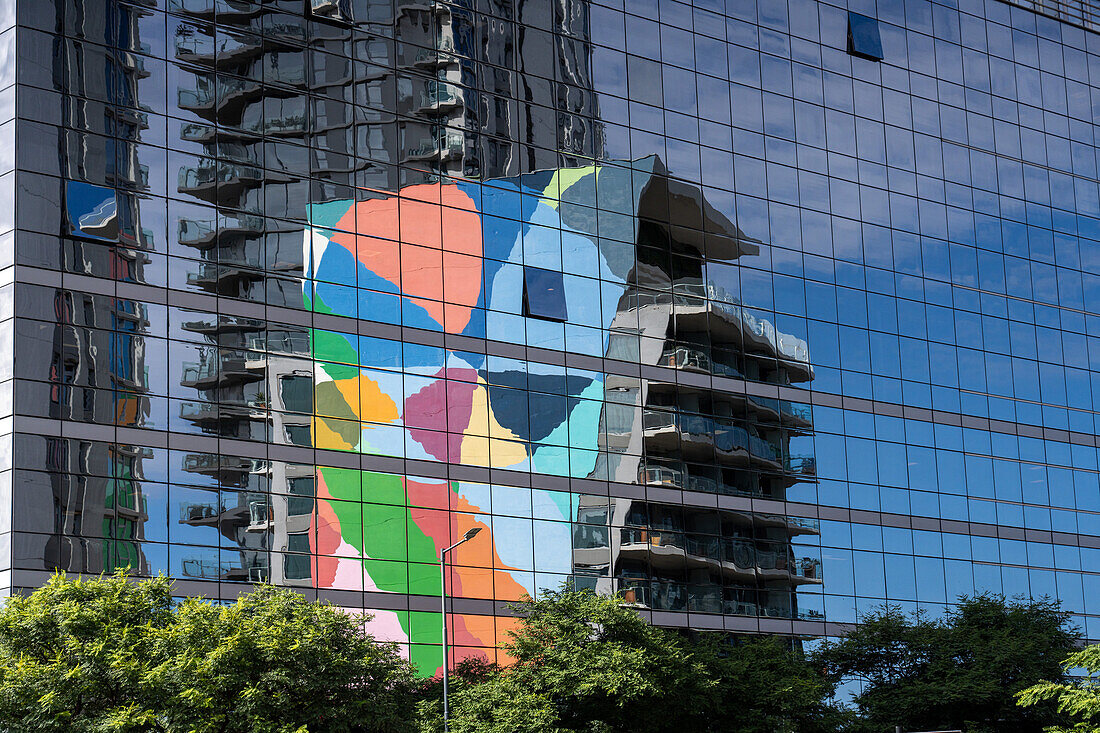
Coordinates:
(434, 238)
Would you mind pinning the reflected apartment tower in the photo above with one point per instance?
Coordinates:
(695, 433)
(96, 352)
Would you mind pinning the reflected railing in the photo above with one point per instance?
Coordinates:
(203, 371)
(202, 231)
(805, 523)
(200, 511)
(725, 436)
(664, 595)
(683, 357)
(206, 462)
(449, 144)
(222, 7)
(257, 570)
(198, 177)
(439, 94)
(806, 465)
(209, 569)
(197, 411)
(676, 474)
(260, 516)
(696, 294)
(743, 554)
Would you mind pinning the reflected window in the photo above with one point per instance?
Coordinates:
(863, 37)
(299, 435)
(332, 9)
(92, 211)
(297, 393)
(543, 294)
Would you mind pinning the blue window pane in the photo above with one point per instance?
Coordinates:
(92, 210)
(863, 37)
(543, 294)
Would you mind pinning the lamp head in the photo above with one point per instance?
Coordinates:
(470, 533)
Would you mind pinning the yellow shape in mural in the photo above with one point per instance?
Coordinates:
(487, 442)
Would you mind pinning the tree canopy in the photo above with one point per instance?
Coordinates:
(1078, 698)
(585, 662)
(961, 671)
(113, 655)
(108, 654)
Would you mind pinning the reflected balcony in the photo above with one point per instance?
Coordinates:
(740, 608)
(736, 559)
(661, 475)
(806, 569)
(230, 93)
(718, 311)
(687, 433)
(292, 125)
(438, 96)
(198, 132)
(688, 359)
(440, 55)
(660, 595)
(256, 570)
(205, 233)
(200, 413)
(213, 465)
(209, 569)
(227, 10)
(223, 279)
(793, 415)
(704, 484)
(200, 234)
(739, 553)
(664, 547)
(804, 525)
(191, 47)
(226, 49)
(224, 180)
(226, 368)
(445, 147)
(200, 513)
(803, 465)
(260, 516)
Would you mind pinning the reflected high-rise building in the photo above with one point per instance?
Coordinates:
(753, 321)
(92, 356)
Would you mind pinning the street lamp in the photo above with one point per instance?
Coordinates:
(443, 606)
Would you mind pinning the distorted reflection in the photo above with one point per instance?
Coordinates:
(384, 165)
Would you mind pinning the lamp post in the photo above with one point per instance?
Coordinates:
(443, 607)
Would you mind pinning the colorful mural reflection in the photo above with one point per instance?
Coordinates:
(532, 254)
(434, 245)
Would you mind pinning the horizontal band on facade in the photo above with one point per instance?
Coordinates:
(477, 474)
(311, 319)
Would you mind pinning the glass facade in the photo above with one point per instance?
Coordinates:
(759, 312)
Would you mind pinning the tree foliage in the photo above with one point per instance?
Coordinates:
(587, 663)
(1078, 698)
(962, 671)
(765, 686)
(110, 655)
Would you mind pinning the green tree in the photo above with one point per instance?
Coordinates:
(1078, 698)
(765, 686)
(586, 662)
(961, 671)
(108, 654)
